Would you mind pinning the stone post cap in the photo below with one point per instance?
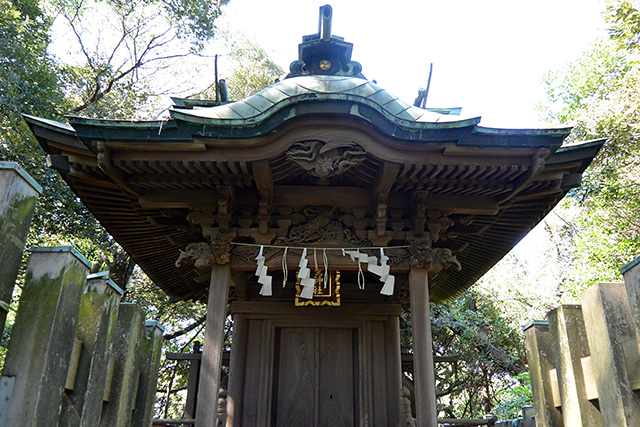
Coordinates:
(20, 170)
(535, 323)
(630, 266)
(562, 307)
(155, 324)
(70, 249)
(104, 276)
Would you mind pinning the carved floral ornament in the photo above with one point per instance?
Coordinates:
(324, 160)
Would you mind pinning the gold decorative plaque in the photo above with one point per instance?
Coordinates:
(329, 295)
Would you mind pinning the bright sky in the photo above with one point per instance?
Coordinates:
(489, 56)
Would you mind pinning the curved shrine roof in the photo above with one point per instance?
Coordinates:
(326, 142)
(288, 92)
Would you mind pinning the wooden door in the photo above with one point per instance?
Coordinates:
(315, 377)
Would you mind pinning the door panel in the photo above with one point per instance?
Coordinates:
(336, 379)
(314, 382)
(296, 366)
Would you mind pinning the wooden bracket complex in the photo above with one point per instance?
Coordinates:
(264, 184)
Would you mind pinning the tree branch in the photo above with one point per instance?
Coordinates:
(189, 328)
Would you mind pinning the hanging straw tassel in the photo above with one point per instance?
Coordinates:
(360, 258)
(285, 269)
(326, 268)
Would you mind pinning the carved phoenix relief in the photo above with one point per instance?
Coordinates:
(324, 160)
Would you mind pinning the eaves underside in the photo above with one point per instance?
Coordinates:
(153, 236)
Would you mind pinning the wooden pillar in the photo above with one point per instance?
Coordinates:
(394, 366)
(423, 373)
(236, 371)
(206, 411)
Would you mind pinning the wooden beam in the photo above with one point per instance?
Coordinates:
(335, 260)
(382, 188)
(387, 177)
(207, 409)
(478, 205)
(469, 422)
(424, 376)
(264, 183)
(192, 384)
(178, 198)
(299, 195)
(156, 146)
(105, 162)
(157, 422)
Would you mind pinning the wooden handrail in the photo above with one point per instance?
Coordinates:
(160, 422)
(454, 422)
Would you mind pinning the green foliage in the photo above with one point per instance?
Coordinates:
(122, 52)
(247, 69)
(583, 82)
(29, 84)
(28, 78)
(511, 401)
(624, 23)
(599, 94)
(491, 354)
(252, 70)
(126, 98)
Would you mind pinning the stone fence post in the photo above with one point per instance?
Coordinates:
(151, 350)
(631, 273)
(609, 325)
(541, 364)
(122, 386)
(82, 403)
(43, 336)
(572, 349)
(18, 195)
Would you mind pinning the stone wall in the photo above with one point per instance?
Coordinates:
(76, 356)
(585, 359)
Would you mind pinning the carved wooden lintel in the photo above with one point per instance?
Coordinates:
(325, 225)
(423, 255)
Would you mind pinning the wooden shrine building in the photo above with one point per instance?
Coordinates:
(311, 211)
